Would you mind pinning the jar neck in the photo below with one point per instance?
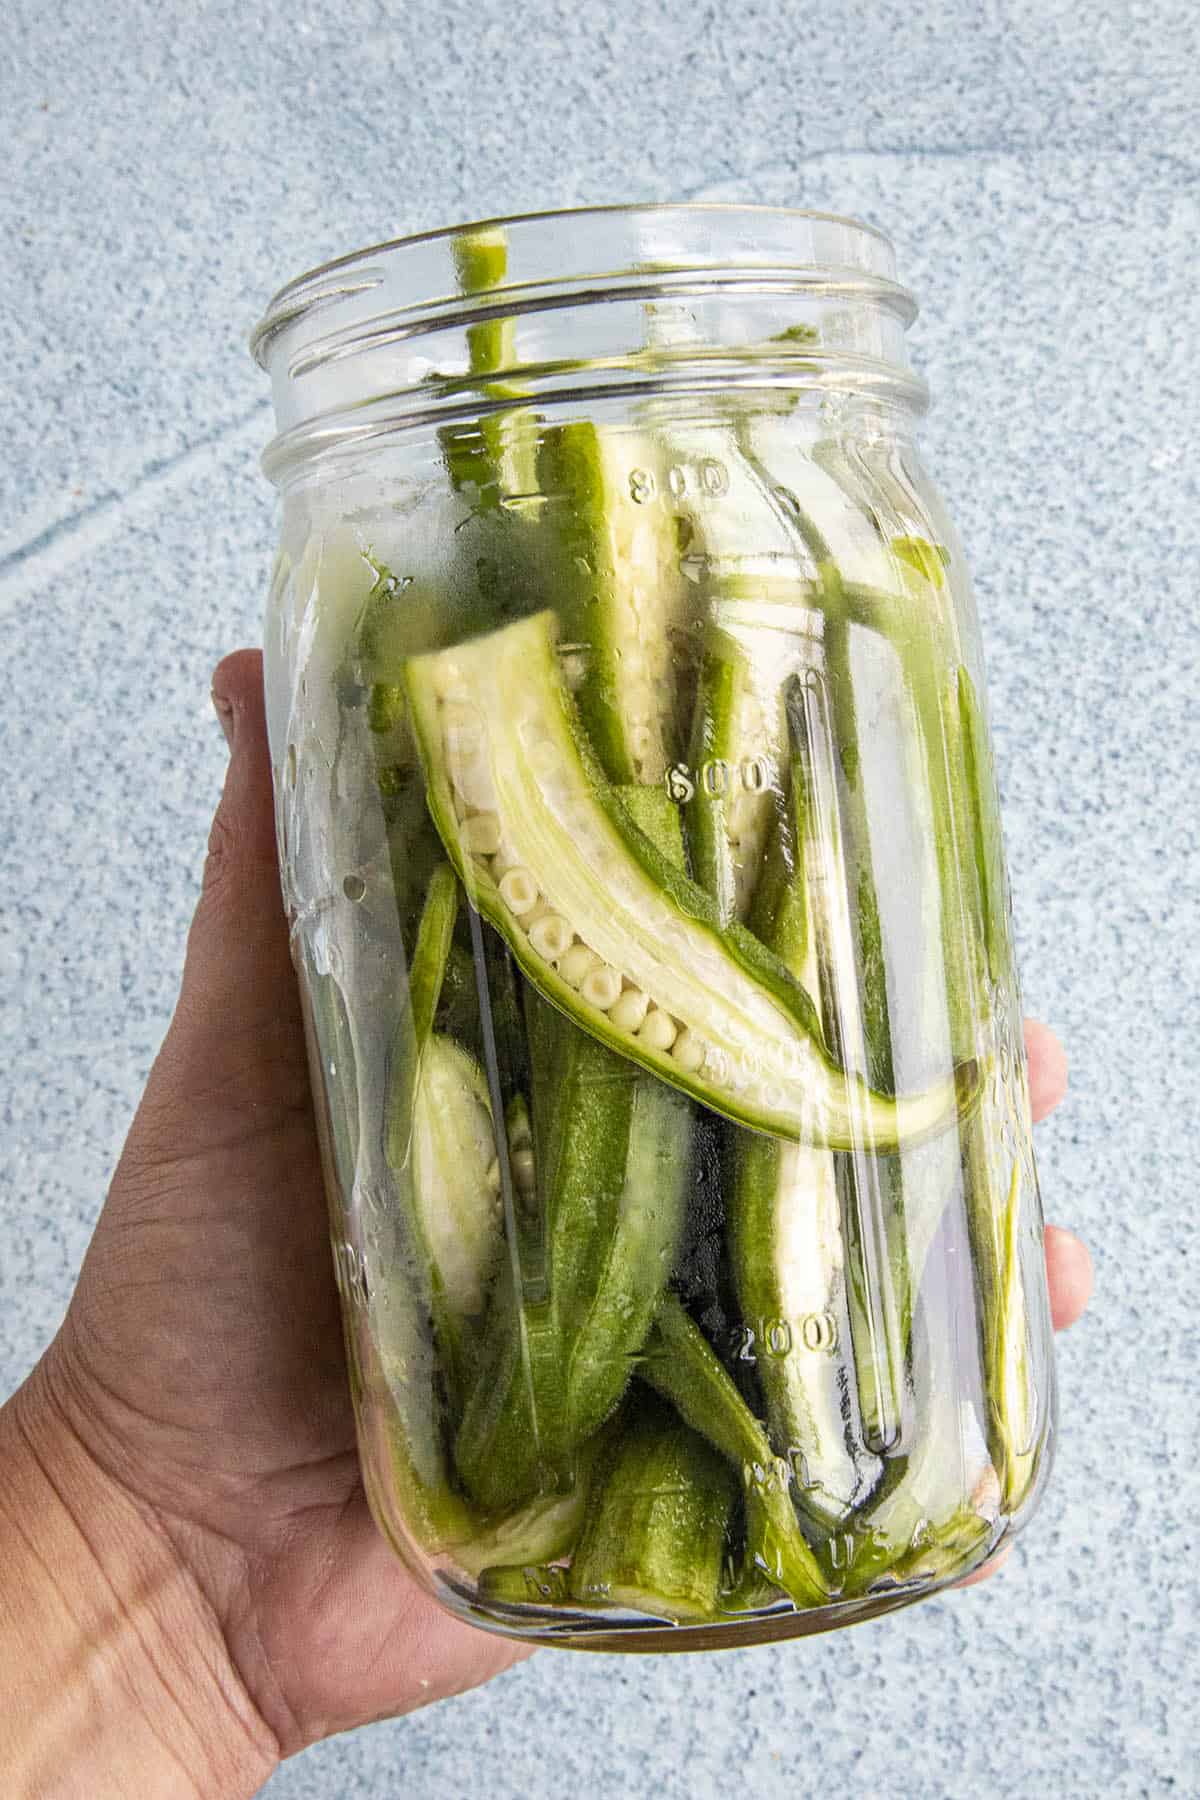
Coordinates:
(562, 310)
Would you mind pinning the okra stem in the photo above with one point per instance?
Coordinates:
(497, 455)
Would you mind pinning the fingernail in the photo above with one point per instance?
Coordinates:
(225, 716)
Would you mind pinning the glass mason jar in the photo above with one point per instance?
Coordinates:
(639, 840)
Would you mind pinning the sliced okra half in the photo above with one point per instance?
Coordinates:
(629, 947)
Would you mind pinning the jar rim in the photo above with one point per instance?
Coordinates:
(289, 303)
(582, 305)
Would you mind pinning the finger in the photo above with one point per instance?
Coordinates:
(1047, 1068)
(233, 1059)
(1069, 1273)
(991, 1567)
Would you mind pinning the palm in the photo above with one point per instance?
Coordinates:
(203, 1356)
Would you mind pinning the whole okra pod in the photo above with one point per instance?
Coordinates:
(654, 1539)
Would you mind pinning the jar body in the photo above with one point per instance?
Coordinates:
(639, 839)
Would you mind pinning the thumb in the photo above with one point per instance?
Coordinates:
(233, 1062)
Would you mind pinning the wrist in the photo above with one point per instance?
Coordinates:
(116, 1676)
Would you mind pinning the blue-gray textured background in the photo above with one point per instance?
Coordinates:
(1037, 163)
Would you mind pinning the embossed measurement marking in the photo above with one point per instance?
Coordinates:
(707, 479)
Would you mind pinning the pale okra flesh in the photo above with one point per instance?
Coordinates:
(683, 1014)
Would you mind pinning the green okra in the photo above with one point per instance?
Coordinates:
(441, 1145)
(975, 943)
(654, 1538)
(434, 935)
(679, 1364)
(634, 1256)
(1011, 1398)
(937, 1516)
(844, 965)
(891, 1204)
(538, 1532)
(990, 866)
(404, 1463)
(736, 752)
(622, 594)
(611, 1156)
(521, 1558)
(786, 1231)
(784, 1222)
(857, 1014)
(532, 1534)
(599, 921)
(494, 457)
(936, 1512)
(553, 1368)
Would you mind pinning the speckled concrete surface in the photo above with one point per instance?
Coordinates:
(1039, 167)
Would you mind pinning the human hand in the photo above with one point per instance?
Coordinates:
(198, 1383)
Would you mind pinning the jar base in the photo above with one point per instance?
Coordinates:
(612, 1632)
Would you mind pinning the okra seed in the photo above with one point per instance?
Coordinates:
(551, 936)
(505, 859)
(601, 987)
(688, 1051)
(520, 1134)
(473, 780)
(577, 962)
(658, 1029)
(521, 1163)
(630, 1010)
(519, 891)
(574, 669)
(481, 834)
